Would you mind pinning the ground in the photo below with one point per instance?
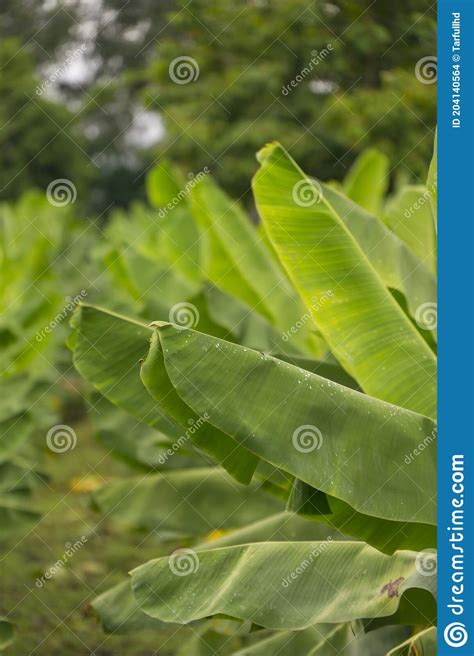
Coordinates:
(56, 619)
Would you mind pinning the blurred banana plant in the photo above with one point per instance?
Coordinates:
(288, 445)
(29, 241)
(38, 272)
(36, 276)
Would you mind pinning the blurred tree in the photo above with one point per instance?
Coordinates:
(325, 78)
(119, 38)
(95, 52)
(43, 28)
(38, 142)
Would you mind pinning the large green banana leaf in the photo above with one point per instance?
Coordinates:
(368, 180)
(284, 585)
(398, 267)
(118, 609)
(387, 536)
(326, 368)
(409, 215)
(363, 325)
(338, 440)
(107, 352)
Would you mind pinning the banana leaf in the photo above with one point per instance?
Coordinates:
(364, 326)
(306, 425)
(368, 179)
(285, 585)
(107, 352)
(184, 502)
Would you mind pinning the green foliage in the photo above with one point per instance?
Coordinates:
(327, 426)
(37, 142)
(267, 383)
(44, 27)
(368, 180)
(7, 632)
(224, 583)
(40, 283)
(283, 68)
(319, 254)
(265, 69)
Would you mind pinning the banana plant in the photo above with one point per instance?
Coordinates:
(38, 278)
(304, 509)
(32, 244)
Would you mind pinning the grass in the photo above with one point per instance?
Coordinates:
(56, 618)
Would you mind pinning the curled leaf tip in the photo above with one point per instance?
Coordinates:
(267, 151)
